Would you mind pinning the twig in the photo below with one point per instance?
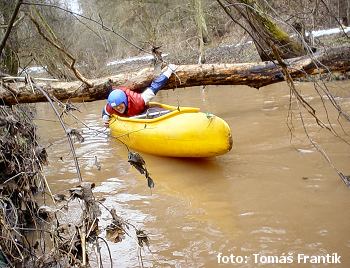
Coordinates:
(15, 23)
(98, 254)
(13, 177)
(7, 260)
(49, 189)
(91, 227)
(289, 80)
(139, 255)
(70, 65)
(109, 250)
(96, 130)
(321, 151)
(64, 128)
(83, 239)
(307, 106)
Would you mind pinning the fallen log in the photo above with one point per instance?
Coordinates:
(255, 75)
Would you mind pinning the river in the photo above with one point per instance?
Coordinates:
(271, 195)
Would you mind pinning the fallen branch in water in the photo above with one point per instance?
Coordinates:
(256, 75)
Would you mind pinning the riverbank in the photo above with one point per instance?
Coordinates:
(21, 179)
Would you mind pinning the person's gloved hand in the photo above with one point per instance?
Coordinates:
(171, 69)
(105, 119)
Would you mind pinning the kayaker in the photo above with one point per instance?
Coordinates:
(124, 102)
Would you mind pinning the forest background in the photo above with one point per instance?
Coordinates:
(97, 32)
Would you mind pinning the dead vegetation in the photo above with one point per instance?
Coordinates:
(34, 227)
(21, 160)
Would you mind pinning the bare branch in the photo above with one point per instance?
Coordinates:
(70, 65)
(64, 128)
(15, 23)
(312, 112)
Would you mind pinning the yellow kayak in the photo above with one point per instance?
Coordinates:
(166, 130)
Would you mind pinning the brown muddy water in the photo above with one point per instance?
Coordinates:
(268, 198)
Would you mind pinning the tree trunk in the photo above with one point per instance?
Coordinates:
(343, 6)
(10, 59)
(252, 74)
(202, 29)
(265, 32)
